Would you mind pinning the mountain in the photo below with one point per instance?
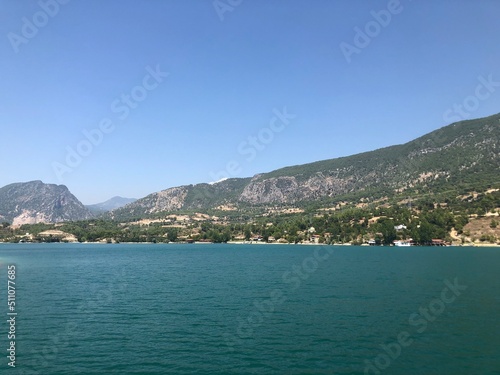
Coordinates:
(199, 197)
(458, 157)
(36, 202)
(110, 204)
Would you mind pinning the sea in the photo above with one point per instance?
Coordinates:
(248, 309)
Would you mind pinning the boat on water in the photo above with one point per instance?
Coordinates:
(403, 243)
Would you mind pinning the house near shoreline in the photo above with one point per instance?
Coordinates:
(438, 242)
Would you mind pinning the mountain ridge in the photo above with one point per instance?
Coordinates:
(463, 155)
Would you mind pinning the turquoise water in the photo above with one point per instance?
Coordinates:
(252, 309)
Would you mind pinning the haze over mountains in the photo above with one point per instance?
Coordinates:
(463, 155)
(110, 204)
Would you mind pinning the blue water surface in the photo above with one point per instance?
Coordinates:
(251, 309)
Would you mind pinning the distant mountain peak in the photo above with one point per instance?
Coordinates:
(111, 204)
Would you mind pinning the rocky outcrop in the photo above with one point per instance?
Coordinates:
(288, 189)
(166, 200)
(35, 202)
(281, 189)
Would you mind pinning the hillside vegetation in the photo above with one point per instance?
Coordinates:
(444, 185)
(453, 160)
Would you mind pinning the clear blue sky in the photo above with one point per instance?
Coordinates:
(225, 79)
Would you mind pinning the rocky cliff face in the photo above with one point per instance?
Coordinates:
(280, 189)
(290, 189)
(36, 202)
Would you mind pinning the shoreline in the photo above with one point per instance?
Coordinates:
(472, 245)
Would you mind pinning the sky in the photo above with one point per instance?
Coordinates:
(127, 98)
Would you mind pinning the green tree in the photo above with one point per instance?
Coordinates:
(388, 231)
(425, 232)
(248, 234)
(172, 235)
